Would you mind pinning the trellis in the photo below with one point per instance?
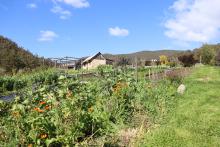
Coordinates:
(65, 62)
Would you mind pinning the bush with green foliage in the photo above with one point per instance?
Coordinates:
(123, 61)
(172, 64)
(217, 58)
(207, 55)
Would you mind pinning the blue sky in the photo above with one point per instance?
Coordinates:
(56, 28)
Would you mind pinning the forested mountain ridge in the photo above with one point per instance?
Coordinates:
(14, 58)
(207, 54)
(144, 55)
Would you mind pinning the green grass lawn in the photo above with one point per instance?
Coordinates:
(195, 121)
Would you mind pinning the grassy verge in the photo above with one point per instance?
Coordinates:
(195, 121)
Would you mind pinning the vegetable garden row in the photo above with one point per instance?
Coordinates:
(51, 109)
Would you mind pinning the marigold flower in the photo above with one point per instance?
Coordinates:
(38, 110)
(47, 107)
(42, 102)
(30, 145)
(43, 136)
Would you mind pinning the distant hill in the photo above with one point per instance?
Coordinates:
(14, 58)
(145, 55)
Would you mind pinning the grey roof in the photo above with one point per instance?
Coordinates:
(91, 57)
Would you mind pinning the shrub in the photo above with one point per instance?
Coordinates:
(163, 60)
(123, 61)
(4, 108)
(207, 54)
(2, 81)
(187, 59)
(9, 84)
(52, 78)
(217, 58)
(102, 69)
(19, 84)
(174, 77)
(172, 64)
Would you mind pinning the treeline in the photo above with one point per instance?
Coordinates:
(208, 54)
(141, 56)
(14, 58)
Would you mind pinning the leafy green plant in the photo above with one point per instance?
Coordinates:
(55, 109)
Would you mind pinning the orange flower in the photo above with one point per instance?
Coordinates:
(43, 136)
(30, 145)
(42, 102)
(47, 107)
(38, 110)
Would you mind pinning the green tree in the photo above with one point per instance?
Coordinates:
(123, 61)
(207, 54)
(14, 58)
(217, 58)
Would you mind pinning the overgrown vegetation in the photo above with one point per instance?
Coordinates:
(56, 110)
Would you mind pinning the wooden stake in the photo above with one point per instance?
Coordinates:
(136, 69)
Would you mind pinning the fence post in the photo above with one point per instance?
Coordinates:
(136, 69)
(164, 74)
(153, 75)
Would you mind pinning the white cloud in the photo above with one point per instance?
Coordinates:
(32, 5)
(180, 5)
(194, 21)
(116, 31)
(47, 36)
(64, 14)
(75, 3)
